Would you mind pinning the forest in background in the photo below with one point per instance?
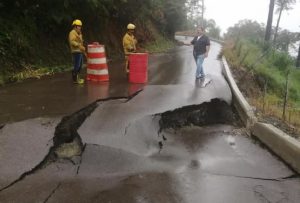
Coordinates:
(34, 33)
(265, 69)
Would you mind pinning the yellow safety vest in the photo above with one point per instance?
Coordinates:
(75, 41)
(129, 44)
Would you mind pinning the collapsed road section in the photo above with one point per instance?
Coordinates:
(176, 141)
(204, 149)
(35, 149)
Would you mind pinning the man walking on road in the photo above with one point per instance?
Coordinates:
(129, 44)
(77, 49)
(201, 48)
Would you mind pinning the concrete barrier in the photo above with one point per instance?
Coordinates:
(240, 103)
(285, 146)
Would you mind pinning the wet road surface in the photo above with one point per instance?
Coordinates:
(129, 155)
(58, 96)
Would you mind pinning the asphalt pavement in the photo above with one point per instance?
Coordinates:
(128, 155)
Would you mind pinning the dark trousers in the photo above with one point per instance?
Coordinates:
(77, 64)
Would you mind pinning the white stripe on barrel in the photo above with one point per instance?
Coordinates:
(96, 60)
(96, 49)
(97, 72)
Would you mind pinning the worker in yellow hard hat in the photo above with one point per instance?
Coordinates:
(129, 44)
(77, 49)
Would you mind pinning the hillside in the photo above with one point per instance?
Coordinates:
(34, 34)
(270, 84)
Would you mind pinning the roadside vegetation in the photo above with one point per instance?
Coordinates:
(160, 45)
(266, 73)
(33, 34)
(265, 60)
(31, 72)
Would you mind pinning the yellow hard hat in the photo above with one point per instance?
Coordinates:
(130, 26)
(77, 22)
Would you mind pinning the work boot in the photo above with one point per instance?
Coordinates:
(79, 80)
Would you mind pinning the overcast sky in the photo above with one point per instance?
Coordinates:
(226, 13)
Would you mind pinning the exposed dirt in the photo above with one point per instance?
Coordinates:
(250, 86)
(247, 82)
(208, 113)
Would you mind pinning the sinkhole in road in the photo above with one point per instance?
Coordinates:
(144, 137)
(210, 113)
(214, 112)
(68, 143)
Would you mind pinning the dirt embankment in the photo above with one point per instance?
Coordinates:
(251, 87)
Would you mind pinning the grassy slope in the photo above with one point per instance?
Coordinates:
(252, 73)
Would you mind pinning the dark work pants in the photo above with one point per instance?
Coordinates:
(77, 62)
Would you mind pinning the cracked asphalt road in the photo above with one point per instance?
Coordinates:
(127, 155)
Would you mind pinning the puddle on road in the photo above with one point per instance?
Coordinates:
(231, 140)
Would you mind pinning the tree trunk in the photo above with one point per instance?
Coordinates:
(202, 13)
(277, 26)
(270, 20)
(298, 58)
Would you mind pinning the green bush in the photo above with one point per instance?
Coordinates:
(34, 33)
(271, 65)
(161, 44)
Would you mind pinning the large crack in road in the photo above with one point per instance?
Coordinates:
(176, 142)
(186, 146)
(189, 135)
(66, 141)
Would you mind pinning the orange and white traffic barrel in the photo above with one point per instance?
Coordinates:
(97, 69)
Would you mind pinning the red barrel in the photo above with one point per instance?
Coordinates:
(138, 64)
(97, 69)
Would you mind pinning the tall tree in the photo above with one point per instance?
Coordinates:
(174, 11)
(212, 29)
(195, 12)
(270, 20)
(286, 40)
(248, 29)
(282, 5)
(298, 58)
